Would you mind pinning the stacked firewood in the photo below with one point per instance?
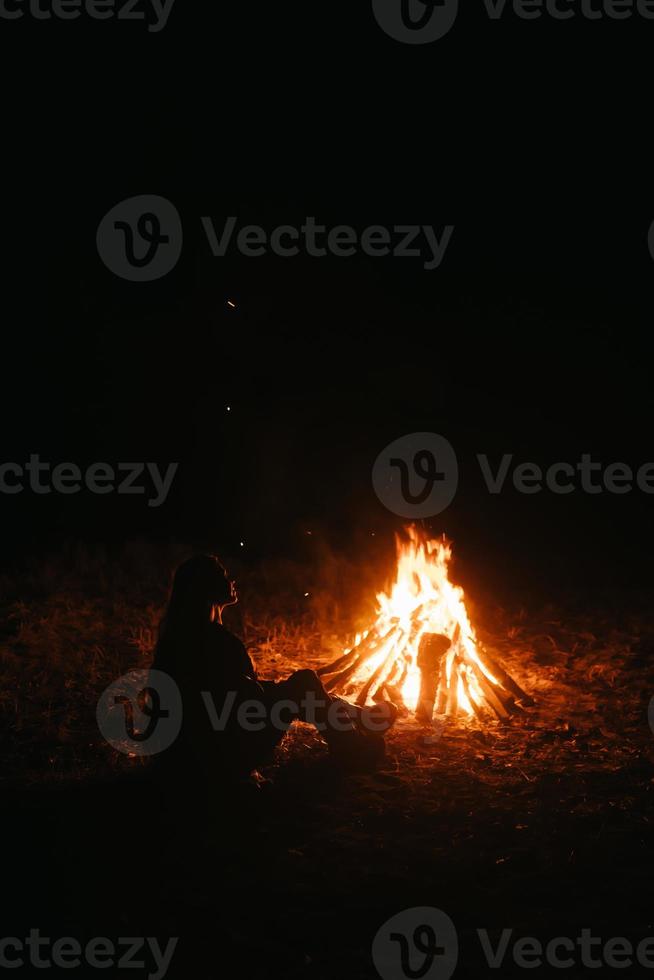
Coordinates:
(447, 667)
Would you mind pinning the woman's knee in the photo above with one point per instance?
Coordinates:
(304, 682)
(306, 676)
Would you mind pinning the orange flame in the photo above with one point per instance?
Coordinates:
(423, 600)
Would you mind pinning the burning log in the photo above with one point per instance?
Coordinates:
(453, 693)
(393, 687)
(393, 694)
(466, 690)
(502, 675)
(490, 692)
(339, 664)
(351, 655)
(432, 649)
(363, 653)
(376, 679)
(396, 673)
(441, 704)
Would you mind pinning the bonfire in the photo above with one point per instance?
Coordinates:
(422, 652)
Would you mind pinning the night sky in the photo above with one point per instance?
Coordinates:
(532, 337)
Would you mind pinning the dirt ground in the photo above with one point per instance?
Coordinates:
(542, 826)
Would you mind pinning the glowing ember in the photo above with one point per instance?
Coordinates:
(422, 652)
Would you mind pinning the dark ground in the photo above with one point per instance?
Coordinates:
(543, 826)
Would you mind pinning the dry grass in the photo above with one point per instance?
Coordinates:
(72, 625)
(543, 825)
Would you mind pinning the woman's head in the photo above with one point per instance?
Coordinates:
(201, 589)
(203, 580)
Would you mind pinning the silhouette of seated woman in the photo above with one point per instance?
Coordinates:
(213, 671)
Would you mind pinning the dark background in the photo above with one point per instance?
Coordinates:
(532, 337)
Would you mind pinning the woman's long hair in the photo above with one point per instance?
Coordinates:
(199, 583)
